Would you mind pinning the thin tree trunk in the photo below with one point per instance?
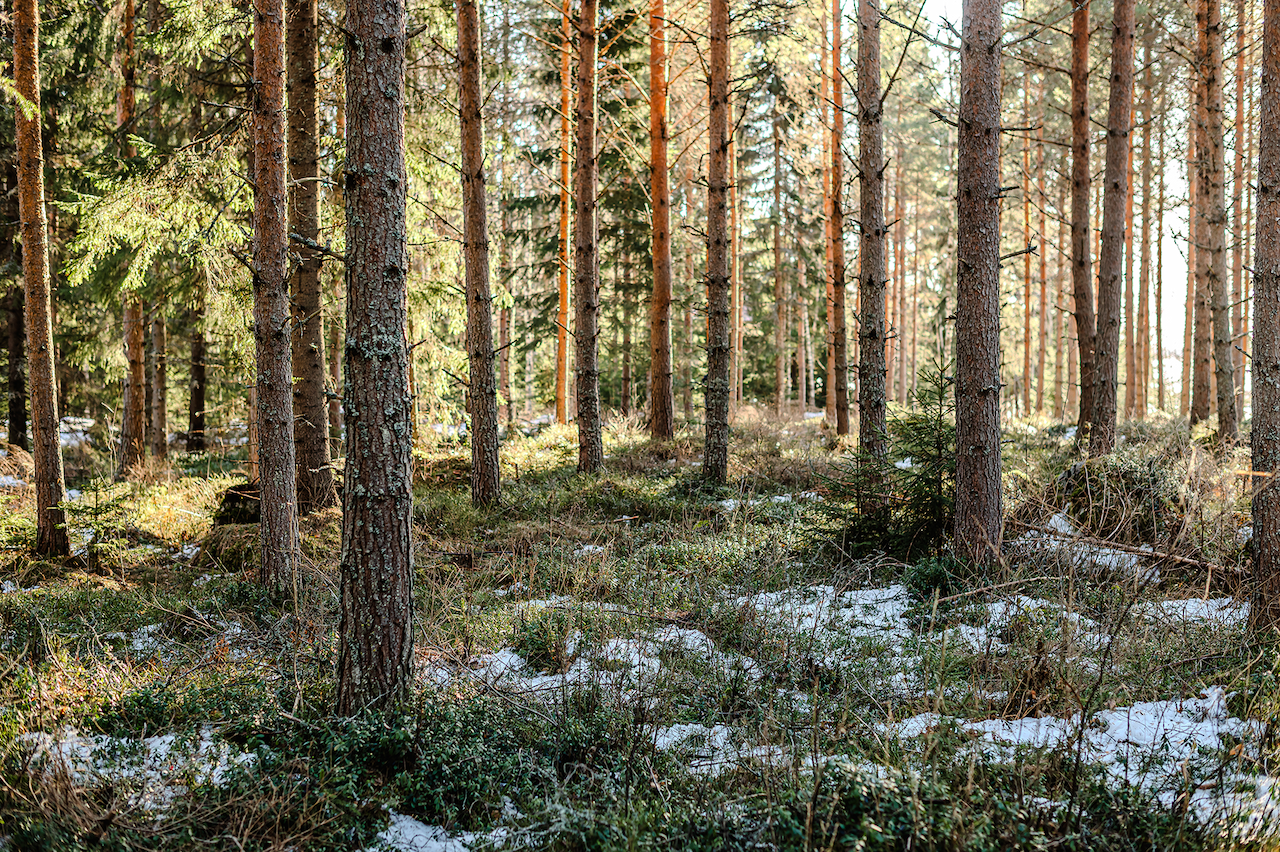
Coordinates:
(196, 390)
(1062, 348)
(779, 296)
(1188, 324)
(661, 396)
(134, 417)
(1130, 350)
(872, 427)
(482, 400)
(1265, 612)
(1144, 274)
(828, 334)
(1213, 213)
(1081, 262)
(1239, 231)
(51, 532)
(1043, 201)
(160, 385)
(375, 656)
(1115, 197)
(900, 270)
(311, 422)
(1202, 333)
(271, 309)
(566, 141)
(839, 336)
(1026, 243)
(715, 460)
(586, 280)
(13, 300)
(978, 496)
(335, 322)
(1160, 265)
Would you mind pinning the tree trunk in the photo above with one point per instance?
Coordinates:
(1026, 244)
(196, 396)
(1042, 199)
(978, 497)
(375, 657)
(1189, 354)
(17, 369)
(1062, 348)
(310, 407)
(839, 335)
(1265, 612)
(586, 259)
(482, 400)
(661, 397)
(334, 322)
(562, 312)
(1239, 312)
(160, 385)
(51, 532)
(1213, 213)
(873, 439)
(1143, 359)
(715, 459)
(1202, 334)
(1115, 196)
(828, 390)
(1081, 262)
(271, 311)
(1159, 346)
(779, 293)
(134, 417)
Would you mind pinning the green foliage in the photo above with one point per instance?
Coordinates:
(918, 481)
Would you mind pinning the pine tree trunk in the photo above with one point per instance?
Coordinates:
(1042, 200)
(978, 497)
(1130, 352)
(661, 397)
(1202, 332)
(134, 417)
(1062, 348)
(1115, 196)
(715, 460)
(1213, 213)
(839, 335)
(873, 442)
(482, 400)
(315, 486)
(51, 532)
(1240, 229)
(1265, 612)
(828, 338)
(779, 295)
(1188, 324)
(1026, 244)
(586, 259)
(1144, 274)
(1159, 345)
(334, 329)
(17, 368)
(566, 140)
(375, 657)
(1081, 262)
(196, 391)
(160, 386)
(271, 310)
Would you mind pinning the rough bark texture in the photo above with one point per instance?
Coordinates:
(51, 533)
(1202, 332)
(1213, 212)
(1265, 612)
(586, 258)
(1238, 313)
(661, 397)
(562, 312)
(715, 459)
(1115, 196)
(310, 407)
(836, 308)
(1081, 263)
(873, 442)
(978, 510)
(375, 658)
(482, 398)
(271, 311)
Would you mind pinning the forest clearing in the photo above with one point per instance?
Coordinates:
(695, 425)
(634, 660)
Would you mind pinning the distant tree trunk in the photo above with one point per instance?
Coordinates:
(779, 293)
(586, 258)
(1130, 361)
(310, 407)
(333, 343)
(1143, 359)
(1026, 243)
(1214, 212)
(1241, 230)
(17, 369)
(196, 397)
(1160, 265)
(271, 310)
(839, 335)
(627, 312)
(1264, 614)
(735, 270)
(375, 657)
(828, 390)
(566, 140)
(1202, 332)
(1081, 263)
(715, 459)
(1189, 353)
(661, 398)
(134, 416)
(978, 497)
(1062, 348)
(1042, 199)
(482, 401)
(51, 533)
(873, 442)
(1102, 437)
(160, 385)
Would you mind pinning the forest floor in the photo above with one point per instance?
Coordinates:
(632, 661)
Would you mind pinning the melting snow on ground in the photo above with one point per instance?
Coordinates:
(732, 505)
(148, 769)
(1061, 538)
